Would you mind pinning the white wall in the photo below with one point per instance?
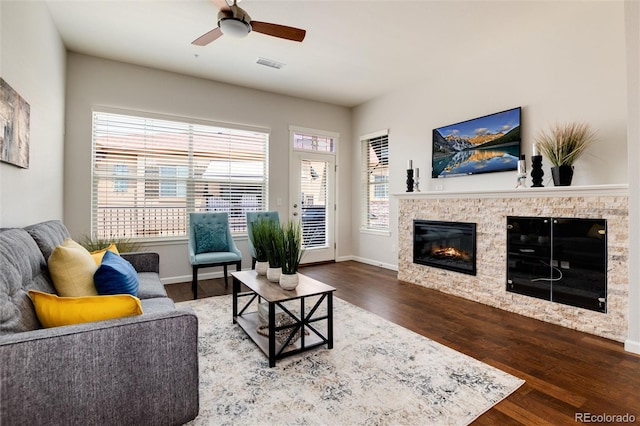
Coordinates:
(560, 61)
(99, 82)
(32, 62)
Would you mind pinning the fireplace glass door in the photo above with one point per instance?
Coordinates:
(446, 245)
(561, 260)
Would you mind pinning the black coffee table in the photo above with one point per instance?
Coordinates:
(302, 322)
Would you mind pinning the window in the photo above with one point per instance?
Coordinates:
(149, 173)
(173, 181)
(120, 185)
(381, 190)
(375, 182)
(313, 140)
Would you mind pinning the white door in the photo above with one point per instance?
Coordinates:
(312, 198)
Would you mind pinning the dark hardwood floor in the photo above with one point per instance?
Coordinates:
(566, 371)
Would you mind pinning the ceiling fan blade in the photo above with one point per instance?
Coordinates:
(275, 30)
(207, 38)
(222, 4)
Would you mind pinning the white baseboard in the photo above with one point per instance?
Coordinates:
(344, 258)
(632, 346)
(375, 263)
(220, 274)
(367, 261)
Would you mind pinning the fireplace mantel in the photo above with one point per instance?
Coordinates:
(489, 210)
(551, 191)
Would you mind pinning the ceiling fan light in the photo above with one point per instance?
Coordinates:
(234, 27)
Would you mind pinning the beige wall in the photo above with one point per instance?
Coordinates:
(32, 62)
(99, 82)
(560, 61)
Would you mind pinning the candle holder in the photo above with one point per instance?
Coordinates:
(416, 184)
(410, 180)
(521, 177)
(536, 171)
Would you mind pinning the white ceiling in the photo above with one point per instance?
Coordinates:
(355, 50)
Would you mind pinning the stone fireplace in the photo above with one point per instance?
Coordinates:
(489, 212)
(446, 245)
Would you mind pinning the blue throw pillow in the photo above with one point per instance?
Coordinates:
(210, 238)
(116, 276)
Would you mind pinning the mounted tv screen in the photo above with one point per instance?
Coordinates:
(482, 145)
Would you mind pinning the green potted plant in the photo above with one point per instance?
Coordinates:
(124, 245)
(293, 251)
(260, 236)
(563, 144)
(275, 250)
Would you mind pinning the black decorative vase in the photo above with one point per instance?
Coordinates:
(410, 180)
(562, 175)
(536, 171)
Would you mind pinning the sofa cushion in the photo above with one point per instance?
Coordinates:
(72, 268)
(210, 237)
(150, 286)
(54, 311)
(22, 267)
(99, 254)
(48, 235)
(116, 276)
(157, 304)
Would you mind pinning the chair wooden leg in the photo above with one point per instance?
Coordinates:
(253, 263)
(226, 283)
(194, 282)
(239, 265)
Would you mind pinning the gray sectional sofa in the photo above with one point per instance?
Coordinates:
(140, 370)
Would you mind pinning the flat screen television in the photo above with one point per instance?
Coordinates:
(481, 145)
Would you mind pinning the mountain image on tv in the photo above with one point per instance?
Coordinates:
(482, 145)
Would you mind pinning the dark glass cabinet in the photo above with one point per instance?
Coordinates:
(557, 259)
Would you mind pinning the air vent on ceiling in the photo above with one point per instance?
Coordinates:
(270, 63)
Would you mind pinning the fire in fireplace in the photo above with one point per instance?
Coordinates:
(446, 245)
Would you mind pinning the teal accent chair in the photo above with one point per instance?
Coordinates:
(211, 245)
(251, 218)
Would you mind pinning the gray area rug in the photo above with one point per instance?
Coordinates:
(377, 373)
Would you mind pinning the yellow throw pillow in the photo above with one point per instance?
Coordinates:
(72, 267)
(99, 254)
(54, 311)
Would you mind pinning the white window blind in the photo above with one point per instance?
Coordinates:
(149, 173)
(375, 183)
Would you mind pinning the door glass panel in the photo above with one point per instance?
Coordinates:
(313, 142)
(313, 202)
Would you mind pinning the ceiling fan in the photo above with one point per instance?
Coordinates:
(234, 21)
